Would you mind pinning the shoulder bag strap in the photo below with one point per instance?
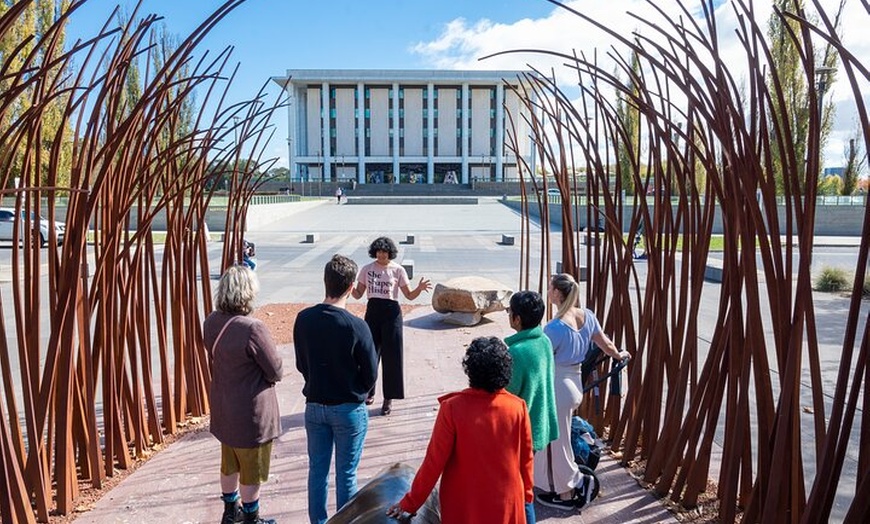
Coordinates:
(213, 346)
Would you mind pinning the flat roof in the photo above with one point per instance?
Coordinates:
(395, 75)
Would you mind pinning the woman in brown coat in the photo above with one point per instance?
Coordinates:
(244, 406)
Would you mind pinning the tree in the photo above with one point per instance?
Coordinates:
(786, 65)
(35, 21)
(279, 173)
(830, 185)
(629, 115)
(855, 160)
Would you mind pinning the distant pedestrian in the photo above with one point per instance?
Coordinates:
(338, 194)
(337, 359)
(481, 447)
(532, 376)
(381, 281)
(249, 251)
(571, 332)
(244, 406)
(640, 238)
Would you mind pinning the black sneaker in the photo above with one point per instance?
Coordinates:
(552, 500)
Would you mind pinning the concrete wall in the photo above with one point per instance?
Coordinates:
(446, 122)
(830, 220)
(413, 128)
(379, 121)
(481, 122)
(345, 122)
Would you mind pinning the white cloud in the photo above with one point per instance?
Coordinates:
(463, 42)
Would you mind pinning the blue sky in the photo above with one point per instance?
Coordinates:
(271, 36)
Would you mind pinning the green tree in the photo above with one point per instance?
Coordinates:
(786, 64)
(855, 160)
(34, 23)
(830, 185)
(629, 115)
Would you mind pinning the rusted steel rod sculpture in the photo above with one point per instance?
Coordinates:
(109, 355)
(694, 146)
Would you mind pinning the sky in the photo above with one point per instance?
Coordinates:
(270, 36)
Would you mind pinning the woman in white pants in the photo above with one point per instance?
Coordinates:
(571, 332)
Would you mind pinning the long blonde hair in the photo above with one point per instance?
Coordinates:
(570, 290)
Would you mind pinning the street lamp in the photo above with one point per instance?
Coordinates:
(822, 87)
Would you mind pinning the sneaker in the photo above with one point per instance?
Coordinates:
(552, 500)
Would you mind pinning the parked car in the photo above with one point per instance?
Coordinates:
(7, 227)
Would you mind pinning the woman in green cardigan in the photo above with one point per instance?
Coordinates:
(532, 378)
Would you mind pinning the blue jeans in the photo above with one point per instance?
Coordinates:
(530, 512)
(343, 426)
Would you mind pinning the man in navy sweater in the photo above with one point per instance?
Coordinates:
(337, 358)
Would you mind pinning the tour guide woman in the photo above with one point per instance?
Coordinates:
(381, 280)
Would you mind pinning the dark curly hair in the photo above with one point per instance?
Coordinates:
(488, 364)
(385, 244)
(529, 307)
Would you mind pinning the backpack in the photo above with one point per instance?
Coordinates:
(585, 443)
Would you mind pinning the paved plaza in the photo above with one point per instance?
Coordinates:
(181, 483)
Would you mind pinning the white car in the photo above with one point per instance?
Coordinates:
(7, 227)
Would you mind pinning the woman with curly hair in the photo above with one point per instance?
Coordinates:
(481, 447)
(381, 281)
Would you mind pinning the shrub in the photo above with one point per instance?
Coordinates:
(832, 279)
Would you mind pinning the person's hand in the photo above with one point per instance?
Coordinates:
(424, 285)
(624, 355)
(395, 511)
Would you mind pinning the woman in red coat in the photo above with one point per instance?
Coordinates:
(481, 447)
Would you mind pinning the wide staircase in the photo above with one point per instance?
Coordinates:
(426, 193)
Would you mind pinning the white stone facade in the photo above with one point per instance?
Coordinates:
(404, 126)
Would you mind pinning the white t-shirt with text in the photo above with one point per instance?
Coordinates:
(383, 281)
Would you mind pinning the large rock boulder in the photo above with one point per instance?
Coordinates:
(466, 299)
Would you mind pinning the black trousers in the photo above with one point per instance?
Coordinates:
(384, 318)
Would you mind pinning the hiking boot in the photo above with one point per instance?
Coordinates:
(254, 518)
(232, 512)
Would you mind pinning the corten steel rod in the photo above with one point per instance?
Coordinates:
(714, 148)
(105, 387)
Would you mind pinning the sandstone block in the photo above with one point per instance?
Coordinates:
(470, 295)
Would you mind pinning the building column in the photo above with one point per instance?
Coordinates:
(361, 133)
(499, 132)
(465, 132)
(430, 133)
(292, 164)
(394, 125)
(326, 165)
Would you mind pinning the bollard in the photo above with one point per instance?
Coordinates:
(408, 264)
